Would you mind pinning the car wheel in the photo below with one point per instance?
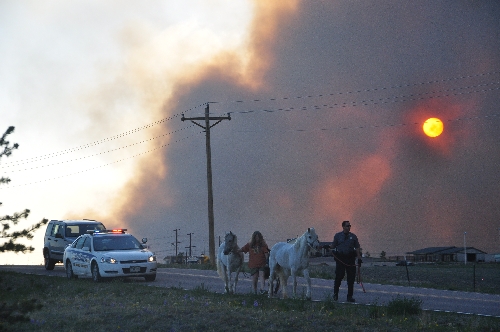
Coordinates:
(69, 271)
(150, 277)
(96, 276)
(49, 263)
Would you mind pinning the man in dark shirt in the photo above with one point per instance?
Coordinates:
(345, 249)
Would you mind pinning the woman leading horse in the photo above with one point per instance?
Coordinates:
(257, 260)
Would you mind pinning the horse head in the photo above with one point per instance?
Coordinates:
(312, 238)
(230, 241)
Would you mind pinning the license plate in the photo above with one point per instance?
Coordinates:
(135, 269)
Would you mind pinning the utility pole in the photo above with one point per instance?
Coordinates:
(206, 127)
(176, 242)
(465, 250)
(190, 246)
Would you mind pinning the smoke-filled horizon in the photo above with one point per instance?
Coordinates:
(327, 102)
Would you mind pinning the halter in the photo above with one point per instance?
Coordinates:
(311, 245)
(234, 246)
(233, 251)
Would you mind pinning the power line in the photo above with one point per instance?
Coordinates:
(93, 168)
(391, 99)
(370, 126)
(492, 116)
(375, 89)
(104, 140)
(354, 103)
(386, 100)
(96, 154)
(401, 98)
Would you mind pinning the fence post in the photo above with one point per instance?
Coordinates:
(407, 274)
(474, 276)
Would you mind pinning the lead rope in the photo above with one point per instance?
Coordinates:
(359, 278)
(358, 274)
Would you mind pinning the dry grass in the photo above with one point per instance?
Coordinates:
(76, 305)
(458, 277)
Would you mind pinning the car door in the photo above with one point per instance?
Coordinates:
(86, 256)
(56, 241)
(75, 255)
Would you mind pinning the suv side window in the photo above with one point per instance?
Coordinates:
(55, 228)
(58, 229)
(48, 231)
(72, 230)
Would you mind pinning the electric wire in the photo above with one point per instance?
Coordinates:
(179, 140)
(97, 167)
(100, 153)
(401, 98)
(104, 140)
(371, 126)
(386, 100)
(375, 89)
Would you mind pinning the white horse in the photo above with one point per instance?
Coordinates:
(229, 260)
(289, 259)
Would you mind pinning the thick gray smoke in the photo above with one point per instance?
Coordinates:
(332, 130)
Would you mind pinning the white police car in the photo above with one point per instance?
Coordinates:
(107, 254)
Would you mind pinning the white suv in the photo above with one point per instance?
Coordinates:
(60, 233)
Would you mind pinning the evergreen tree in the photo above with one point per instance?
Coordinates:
(7, 221)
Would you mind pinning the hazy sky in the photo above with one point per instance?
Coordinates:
(327, 102)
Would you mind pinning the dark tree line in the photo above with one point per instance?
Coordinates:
(7, 221)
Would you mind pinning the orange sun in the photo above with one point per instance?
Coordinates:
(433, 127)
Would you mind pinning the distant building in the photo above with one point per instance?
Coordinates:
(448, 254)
(325, 248)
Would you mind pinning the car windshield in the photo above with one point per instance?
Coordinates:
(114, 242)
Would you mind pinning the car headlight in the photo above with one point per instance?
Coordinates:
(109, 260)
(152, 259)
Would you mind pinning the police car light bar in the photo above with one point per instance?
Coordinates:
(106, 231)
(119, 230)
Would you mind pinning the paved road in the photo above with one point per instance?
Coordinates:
(432, 299)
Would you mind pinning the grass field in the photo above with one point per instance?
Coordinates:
(481, 278)
(78, 305)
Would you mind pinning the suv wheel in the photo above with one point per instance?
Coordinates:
(49, 263)
(69, 271)
(96, 276)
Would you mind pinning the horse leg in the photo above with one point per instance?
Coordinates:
(294, 285)
(226, 282)
(230, 282)
(308, 280)
(271, 282)
(277, 286)
(284, 281)
(236, 279)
